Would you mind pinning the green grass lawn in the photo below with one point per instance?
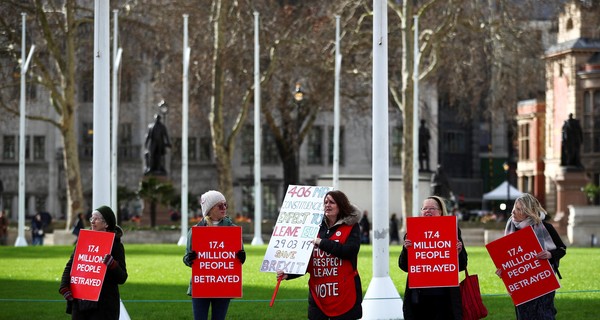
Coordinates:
(158, 280)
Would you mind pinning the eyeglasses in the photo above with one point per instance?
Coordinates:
(429, 209)
(92, 219)
(222, 206)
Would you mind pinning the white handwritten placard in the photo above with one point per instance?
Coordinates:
(300, 216)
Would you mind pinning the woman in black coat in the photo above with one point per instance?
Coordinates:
(432, 303)
(334, 262)
(108, 304)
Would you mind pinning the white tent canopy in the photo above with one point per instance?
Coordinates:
(501, 192)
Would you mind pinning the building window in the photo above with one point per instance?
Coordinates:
(269, 148)
(192, 149)
(87, 140)
(270, 200)
(176, 148)
(248, 145)
(454, 142)
(205, 146)
(126, 133)
(87, 88)
(39, 148)
(524, 152)
(125, 92)
(27, 148)
(9, 148)
(591, 122)
(315, 146)
(341, 146)
(397, 145)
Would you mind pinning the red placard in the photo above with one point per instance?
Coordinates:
(525, 276)
(216, 273)
(87, 270)
(433, 258)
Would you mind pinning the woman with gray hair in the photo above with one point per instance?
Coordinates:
(526, 212)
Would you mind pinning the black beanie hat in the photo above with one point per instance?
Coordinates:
(109, 216)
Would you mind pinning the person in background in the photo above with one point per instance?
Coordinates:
(3, 228)
(37, 230)
(432, 303)
(527, 211)
(214, 211)
(335, 250)
(365, 227)
(79, 224)
(108, 304)
(394, 233)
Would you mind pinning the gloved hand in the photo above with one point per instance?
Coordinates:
(241, 255)
(109, 261)
(189, 258)
(66, 292)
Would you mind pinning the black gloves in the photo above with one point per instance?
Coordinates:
(109, 261)
(241, 255)
(189, 258)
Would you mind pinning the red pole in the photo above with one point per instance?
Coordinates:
(275, 291)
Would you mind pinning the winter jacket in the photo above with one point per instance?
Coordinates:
(411, 296)
(348, 252)
(108, 305)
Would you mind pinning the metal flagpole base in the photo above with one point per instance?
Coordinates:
(21, 242)
(382, 300)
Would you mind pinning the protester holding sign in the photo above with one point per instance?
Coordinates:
(214, 211)
(334, 262)
(433, 302)
(526, 212)
(108, 304)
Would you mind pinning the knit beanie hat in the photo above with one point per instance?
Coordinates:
(209, 199)
(109, 216)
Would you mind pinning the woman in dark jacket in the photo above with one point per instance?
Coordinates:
(432, 303)
(336, 248)
(108, 304)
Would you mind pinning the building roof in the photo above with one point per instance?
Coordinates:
(580, 44)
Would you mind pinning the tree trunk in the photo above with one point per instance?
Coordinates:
(153, 213)
(222, 147)
(75, 199)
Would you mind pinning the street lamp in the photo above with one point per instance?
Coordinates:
(298, 94)
(163, 108)
(506, 168)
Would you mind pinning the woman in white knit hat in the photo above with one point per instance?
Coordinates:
(214, 212)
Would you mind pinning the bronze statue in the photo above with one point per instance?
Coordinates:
(157, 142)
(572, 138)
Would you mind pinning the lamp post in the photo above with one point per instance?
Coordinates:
(298, 98)
(506, 168)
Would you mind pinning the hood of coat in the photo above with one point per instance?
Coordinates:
(350, 219)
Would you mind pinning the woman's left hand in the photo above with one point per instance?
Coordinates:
(459, 246)
(544, 255)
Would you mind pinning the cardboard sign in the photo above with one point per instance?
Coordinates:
(433, 258)
(216, 272)
(525, 276)
(87, 270)
(300, 216)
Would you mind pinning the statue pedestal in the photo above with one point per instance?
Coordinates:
(569, 182)
(162, 211)
(584, 226)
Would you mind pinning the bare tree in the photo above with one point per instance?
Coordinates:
(56, 33)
